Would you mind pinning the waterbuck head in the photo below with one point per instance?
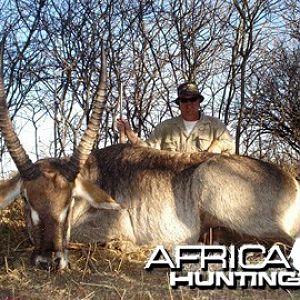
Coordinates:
(50, 185)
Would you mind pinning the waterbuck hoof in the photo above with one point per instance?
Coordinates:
(49, 263)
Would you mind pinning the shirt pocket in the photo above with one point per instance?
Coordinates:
(202, 140)
(170, 144)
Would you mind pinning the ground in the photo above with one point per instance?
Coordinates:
(96, 272)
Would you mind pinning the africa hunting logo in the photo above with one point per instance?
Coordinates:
(234, 270)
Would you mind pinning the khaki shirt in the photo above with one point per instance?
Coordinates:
(171, 135)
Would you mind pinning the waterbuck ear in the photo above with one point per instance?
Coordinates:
(97, 197)
(10, 190)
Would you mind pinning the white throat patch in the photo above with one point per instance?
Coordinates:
(34, 216)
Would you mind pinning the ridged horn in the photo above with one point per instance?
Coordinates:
(27, 169)
(83, 150)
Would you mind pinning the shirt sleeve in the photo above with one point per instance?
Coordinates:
(155, 138)
(222, 136)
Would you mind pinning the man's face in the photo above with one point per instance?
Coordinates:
(189, 108)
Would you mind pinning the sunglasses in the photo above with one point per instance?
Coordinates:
(194, 99)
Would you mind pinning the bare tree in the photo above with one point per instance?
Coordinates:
(226, 47)
(277, 107)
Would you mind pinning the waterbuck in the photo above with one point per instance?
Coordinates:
(51, 185)
(166, 197)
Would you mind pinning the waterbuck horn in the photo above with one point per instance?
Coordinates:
(82, 152)
(27, 169)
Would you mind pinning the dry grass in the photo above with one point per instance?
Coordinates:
(96, 273)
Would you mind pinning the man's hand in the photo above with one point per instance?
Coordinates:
(214, 147)
(123, 125)
(125, 128)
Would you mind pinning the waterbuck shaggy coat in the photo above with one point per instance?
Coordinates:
(165, 197)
